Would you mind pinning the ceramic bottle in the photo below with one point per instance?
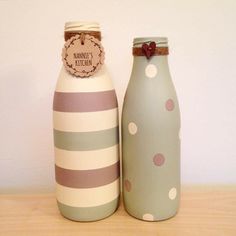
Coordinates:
(150, 135)
(85, 122)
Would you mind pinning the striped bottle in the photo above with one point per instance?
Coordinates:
(86, 140)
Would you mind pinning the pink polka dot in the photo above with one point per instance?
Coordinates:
(127, 185)
(159, 159)
(170, 105)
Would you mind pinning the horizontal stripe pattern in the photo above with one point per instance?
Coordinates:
(87, 178)
(85, 141)
(86, 138)
(84, 102)
(85, 160)
(88, 213)
(87, 197)
(98, 82)
(85, 121)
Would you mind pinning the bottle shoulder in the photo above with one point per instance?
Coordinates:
(150, 93)
(101, 81)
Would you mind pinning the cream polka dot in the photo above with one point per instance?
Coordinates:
(151, 71)
(148, 217)
(172, 193)
(132, 128)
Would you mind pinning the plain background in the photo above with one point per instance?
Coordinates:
(202, 40)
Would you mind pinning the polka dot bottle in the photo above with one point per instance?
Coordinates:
(150, 137)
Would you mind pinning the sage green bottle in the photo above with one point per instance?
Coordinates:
(150, 135)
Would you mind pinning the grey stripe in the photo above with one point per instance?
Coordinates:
(86, 141)
(88, 213)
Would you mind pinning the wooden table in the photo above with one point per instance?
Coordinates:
(204, 211)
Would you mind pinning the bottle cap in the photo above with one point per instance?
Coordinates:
(81, 26)
(160, 41)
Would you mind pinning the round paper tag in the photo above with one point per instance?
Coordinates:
(84, 56)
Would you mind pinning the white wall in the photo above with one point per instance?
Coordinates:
(202, 39)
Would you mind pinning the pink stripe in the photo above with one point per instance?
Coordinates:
(87, 178)
(84, 102)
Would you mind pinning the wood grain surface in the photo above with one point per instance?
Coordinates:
(205, 210)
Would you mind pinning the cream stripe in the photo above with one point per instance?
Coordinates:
(99, 82)
(85, 121)
(86, 160)
(88, 197)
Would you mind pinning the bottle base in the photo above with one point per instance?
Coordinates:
(88, 214)
(151, 217)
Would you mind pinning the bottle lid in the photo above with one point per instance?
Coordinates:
(81, 26)
(160, 41)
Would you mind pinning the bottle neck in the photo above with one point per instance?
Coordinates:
(79, 27)
(149, 47)
(151, 51)
(69, 34)
(155, 66)
(160, 61)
